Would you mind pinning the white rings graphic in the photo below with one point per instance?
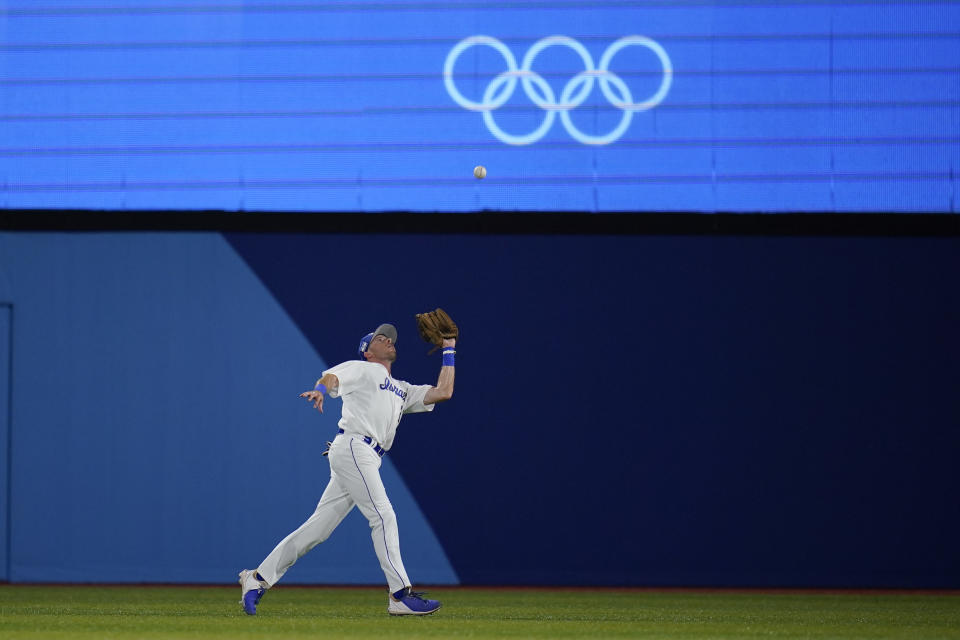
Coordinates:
(574, 93)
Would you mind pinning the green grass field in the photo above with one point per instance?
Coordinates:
(295, 612)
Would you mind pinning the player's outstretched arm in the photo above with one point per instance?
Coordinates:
(328, 382)
(444, 389)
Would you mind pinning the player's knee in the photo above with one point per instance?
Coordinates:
(384, 515)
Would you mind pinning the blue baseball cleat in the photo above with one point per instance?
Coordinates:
(250, 591)
(411, 603)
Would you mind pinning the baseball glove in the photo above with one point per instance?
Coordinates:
(435, 326)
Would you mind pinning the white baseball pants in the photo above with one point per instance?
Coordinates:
(354, 480)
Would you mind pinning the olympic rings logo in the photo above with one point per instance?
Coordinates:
(573, 94)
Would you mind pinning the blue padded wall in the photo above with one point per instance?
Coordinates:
(740, 411)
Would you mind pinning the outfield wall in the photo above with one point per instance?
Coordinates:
(643, 410)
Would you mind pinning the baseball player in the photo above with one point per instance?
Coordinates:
(373, 403)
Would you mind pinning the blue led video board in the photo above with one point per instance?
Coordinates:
(570, 105)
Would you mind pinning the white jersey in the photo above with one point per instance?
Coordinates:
(373, 401)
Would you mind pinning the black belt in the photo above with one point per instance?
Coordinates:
(373, 443)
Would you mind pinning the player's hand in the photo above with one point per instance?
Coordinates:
(449, 342)
(316, 397)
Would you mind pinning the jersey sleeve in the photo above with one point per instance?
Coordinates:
(349, 373)
(414, 402)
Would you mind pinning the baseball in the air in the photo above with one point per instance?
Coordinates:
(479, 171)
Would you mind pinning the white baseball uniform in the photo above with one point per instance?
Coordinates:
(373, 403)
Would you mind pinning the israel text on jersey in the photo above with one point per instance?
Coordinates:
(389, 386)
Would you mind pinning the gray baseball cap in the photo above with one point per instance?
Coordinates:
(388, 330)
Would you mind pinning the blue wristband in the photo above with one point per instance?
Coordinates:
(320, 387)
(448, 355)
